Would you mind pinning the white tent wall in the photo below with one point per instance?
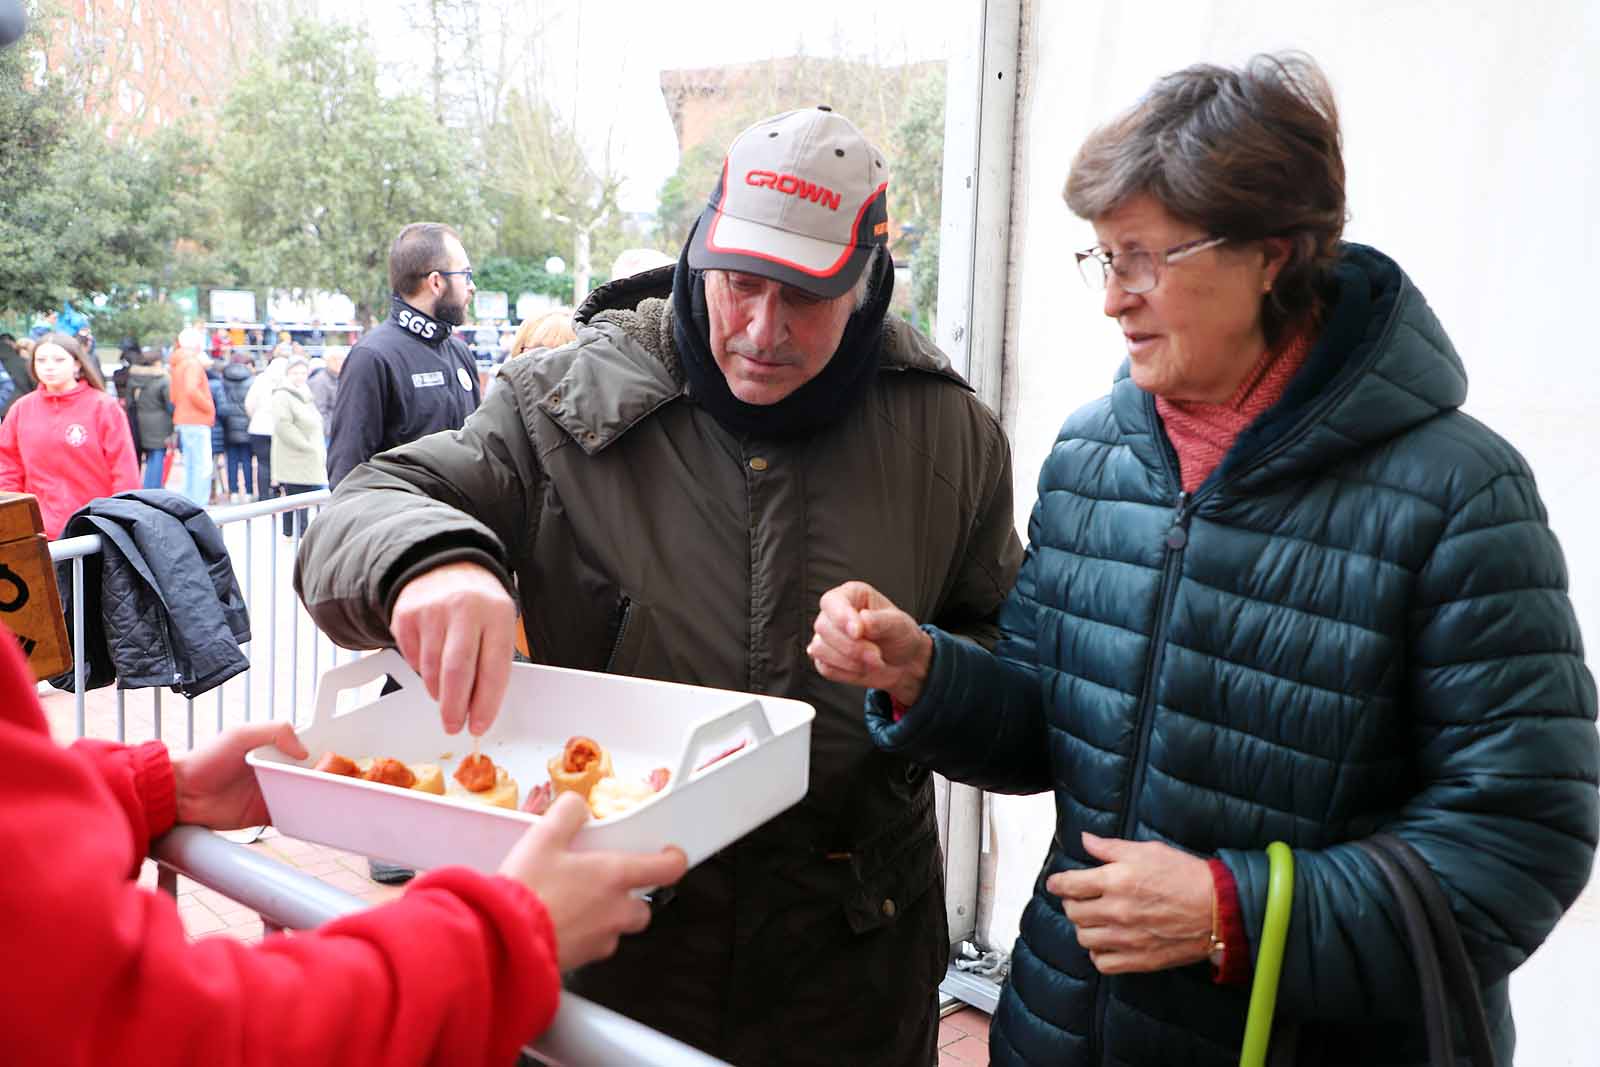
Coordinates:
(1469, 144)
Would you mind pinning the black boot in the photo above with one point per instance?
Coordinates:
(388, 873)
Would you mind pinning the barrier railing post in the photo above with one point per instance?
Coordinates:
(250, 604)
(272, 635)
(77, 641)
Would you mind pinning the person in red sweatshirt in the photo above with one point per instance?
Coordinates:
(193, 414)
(67, 442)
(463, 969)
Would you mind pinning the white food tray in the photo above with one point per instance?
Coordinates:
(644, 724)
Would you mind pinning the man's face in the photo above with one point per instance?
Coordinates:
(456, 292)
(768, 338)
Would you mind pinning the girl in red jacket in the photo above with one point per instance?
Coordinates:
(463, 969)
(66, 442)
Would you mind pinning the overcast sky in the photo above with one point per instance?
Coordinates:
(616, 49)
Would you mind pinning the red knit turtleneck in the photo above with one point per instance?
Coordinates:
(1201, 433)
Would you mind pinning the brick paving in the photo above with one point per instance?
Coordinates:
(964, 1039)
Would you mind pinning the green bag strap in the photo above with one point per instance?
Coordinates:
(1269, 957)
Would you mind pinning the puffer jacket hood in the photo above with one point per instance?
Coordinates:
(1359, 622)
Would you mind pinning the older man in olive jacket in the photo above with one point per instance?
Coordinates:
(669, 497)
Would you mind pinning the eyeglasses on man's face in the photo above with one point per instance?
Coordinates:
(1137, 271)
(447, 273)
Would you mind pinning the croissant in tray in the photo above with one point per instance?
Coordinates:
(581, 764)
(477, 778)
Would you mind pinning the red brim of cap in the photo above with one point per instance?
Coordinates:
(822, 268)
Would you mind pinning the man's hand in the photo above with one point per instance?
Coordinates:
(216, 788)
(589, 895)
(1148, 907)
(456, 626)
(861, 638)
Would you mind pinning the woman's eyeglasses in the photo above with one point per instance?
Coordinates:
(1137, 271)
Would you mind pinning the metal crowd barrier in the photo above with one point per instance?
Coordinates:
(584, 1034)
(241, 525)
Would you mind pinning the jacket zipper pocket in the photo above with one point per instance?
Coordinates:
(624, 614)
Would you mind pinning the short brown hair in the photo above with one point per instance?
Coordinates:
(417, 252)
(1245, 153)
(91, 372)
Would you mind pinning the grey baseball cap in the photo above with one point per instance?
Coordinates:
(803, 199)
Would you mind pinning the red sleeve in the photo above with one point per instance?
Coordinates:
(140, 781)
(116, 439)
(1236, 968)
(461, 970)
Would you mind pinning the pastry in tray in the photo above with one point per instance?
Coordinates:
(478, 779)
(613, 796)
(423, 777)
(581, 764)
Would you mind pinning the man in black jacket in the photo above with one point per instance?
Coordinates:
(409, 377)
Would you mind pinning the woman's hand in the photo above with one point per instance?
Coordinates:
(216, 788)
(1148, 907)
(862, 639)
(590, 895)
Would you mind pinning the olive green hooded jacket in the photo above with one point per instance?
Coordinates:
(644, 539)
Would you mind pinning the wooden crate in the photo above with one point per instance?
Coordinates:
(30, 605)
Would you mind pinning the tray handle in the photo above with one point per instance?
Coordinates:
(358, 673)
(719, 727)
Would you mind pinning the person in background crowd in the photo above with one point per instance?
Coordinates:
(410, 376)
(193, 414)
(237, 378)
(15, 364)
(324, 384)
(86, 342)
(219, 443)
(552, 329)
(463, 969)
(8, 389)
(1280, 588)
(66, 442)
(150, 398)
(762, 397)
(258, 405)
(315, 338)
(127, 356)
(299, 452)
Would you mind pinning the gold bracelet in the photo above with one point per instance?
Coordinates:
(1216, 949)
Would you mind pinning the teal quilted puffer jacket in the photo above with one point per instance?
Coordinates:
(1359, 622)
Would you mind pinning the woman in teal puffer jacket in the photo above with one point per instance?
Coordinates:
(1278, 588)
